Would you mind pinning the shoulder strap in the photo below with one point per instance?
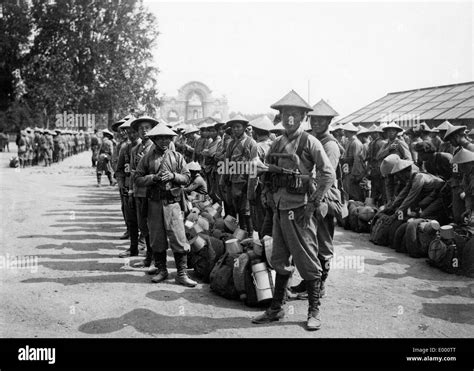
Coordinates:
(303, 143)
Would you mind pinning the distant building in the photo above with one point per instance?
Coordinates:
(194, 101)
(434, 105)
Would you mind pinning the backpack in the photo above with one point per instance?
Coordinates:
(380, 230)
(444, 255)
(414, 248)
(352, 220)
(204, 260)
(221, 278)
(395, 224)
(398, 242)
(467, 258)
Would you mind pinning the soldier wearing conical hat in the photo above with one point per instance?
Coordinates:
(105, 157)
(164, 172)
(209, 162)
(353, 163)
(394, 143)
(373, 164)
(434, 162)
(320, 118)
(295, 201)
(463, 163)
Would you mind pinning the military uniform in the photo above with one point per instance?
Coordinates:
(374, 167)
(353, 167)
(210, 167)
(95, 145)
(105, 155)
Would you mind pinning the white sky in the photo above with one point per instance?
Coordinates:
(351, 52)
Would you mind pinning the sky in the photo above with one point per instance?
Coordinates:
(348, 53)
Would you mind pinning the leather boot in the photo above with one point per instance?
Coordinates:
(160, 262)
(301, 287)
(99, 178)
(314, 319)
(182, 277)
(276, 311)
(155, 268)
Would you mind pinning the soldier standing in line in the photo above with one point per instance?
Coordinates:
(353, 166)
(105, 157)
(191, 137)
(22, 151)
(320, 119)
(122, 174)
(242, 149)
(261, 131)
(456, 136)
(374, 166)
(200, 144)
(394, 144)
(138, 194)
(164, 171)
(209, 162)
(221, 178)
(95, 145)
(29, 146)
(37, 146)
(294, 222)
(87, 140)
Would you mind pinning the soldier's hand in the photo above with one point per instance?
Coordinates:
(466, 216)
(393, 146)
(309, 210)
(166, 176)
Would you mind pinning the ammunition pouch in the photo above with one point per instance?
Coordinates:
(293, 183)
(171, 196)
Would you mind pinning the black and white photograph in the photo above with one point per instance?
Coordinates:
(237, 170)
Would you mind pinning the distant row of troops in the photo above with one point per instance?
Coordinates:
(300, 172)
(36, 146)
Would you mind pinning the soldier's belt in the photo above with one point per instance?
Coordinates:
(293, 183)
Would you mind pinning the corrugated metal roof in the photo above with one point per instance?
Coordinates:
(440, 102)
(468, 115)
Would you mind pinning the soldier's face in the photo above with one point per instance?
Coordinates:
(132, 135)
(454, 139)
(143, 128)
(162, 142)
(319, 125)
(237, 129)
(392, 134)
(291, 118)
(212, 132)
(221, 131)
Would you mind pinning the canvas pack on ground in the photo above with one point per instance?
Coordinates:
(467, 258)
(414, 248)
(352, 220)
(444, 255)
(398, 242)
(380, 230)
(204, 260)
(221, 277)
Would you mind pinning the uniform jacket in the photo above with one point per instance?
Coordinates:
(198, 184)
(440, 165)
(401, 150)
(241, 149)
(355, 156)
(424, 189)
(136, 154)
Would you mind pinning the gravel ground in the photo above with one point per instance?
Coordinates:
(76, 286)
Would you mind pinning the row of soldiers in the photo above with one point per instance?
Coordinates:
(299, 171)
(36, 146)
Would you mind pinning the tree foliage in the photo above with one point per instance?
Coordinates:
(91, 56)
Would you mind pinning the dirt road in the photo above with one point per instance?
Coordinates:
(57, 217)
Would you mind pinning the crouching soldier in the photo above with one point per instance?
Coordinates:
(164, 172)
(463, 163)
(294, 222)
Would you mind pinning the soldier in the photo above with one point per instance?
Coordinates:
(463, 162)
(338, 133)
(424, 192)
(294, 223)
(22, 151)
(105, 157)
(436, 163)
(394, 144)
(37, 146)
(30, 151)
(391, 185)
(445, 146)
(320, 119)
(122, 175)
(200, 144)
(138, 194)
(242, 149)
(95, 145)
(87, 140)
(373, 165)
(196, 182)
(261, 131)
(353, 163)
(164, 171)
(221, 178)
(457, 137)
(210, 162)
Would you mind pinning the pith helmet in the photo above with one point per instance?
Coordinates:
(292, 99)
(388, 163)
(392, 125)
(350, 127)
(452, 130)
(193, 166)
(161, 130)
(401, 165)
(362, 131)
(238, 118)
(134, 124)
(262, 123)
(463, 156)
(323, 109)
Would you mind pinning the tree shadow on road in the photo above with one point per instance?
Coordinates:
(456, 313)
(149, 322)
(106, 278)
(466, 292)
